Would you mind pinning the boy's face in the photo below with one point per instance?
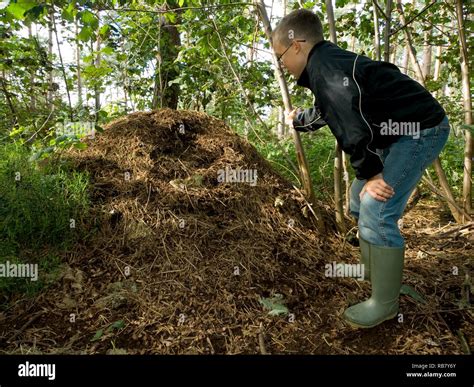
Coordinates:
(294, 56)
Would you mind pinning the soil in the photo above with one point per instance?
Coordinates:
(176, 260)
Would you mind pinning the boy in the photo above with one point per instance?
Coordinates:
(391, 127)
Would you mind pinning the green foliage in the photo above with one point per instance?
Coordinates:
(101, 333)
(38, 206)
(275, 305)
(38, 203)
(49, 265)
(452, 160)
(135, 53)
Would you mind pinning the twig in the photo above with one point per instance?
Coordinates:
(413, 18)
(307, 203)
(27, 324)
(261, 341)
(438, 192)
(459, 228)
(464, 343)
(380, 9)
(62, 63)
(42, 126)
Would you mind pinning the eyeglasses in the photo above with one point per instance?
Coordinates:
(284, 52)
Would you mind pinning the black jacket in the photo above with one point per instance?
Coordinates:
(387, 96)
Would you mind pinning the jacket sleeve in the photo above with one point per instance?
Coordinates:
(353, 132)
(308, 120)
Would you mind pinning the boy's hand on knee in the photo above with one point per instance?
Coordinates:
(377, 188)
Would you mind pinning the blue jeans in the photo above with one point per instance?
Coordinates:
(405, 161)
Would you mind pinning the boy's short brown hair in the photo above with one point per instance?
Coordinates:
(299, 24)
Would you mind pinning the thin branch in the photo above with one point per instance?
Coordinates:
(9, 101)
(440, 194)
(379, 9)
(62, 64)
(413, 18)
(42, 126)
(239, 81)
(174, 9)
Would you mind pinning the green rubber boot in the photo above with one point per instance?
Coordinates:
(365, 257)
(386, 270)
(406, 290)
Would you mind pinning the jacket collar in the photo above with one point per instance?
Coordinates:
(304, 80)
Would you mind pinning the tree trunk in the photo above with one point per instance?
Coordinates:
(345, 163)
(388, 13)
(467, 104)
(427, 55)
(302, 161)
(378, 54)
(281, 123)
(50, 58)
(458, 216)
(78, 65)
(281, 110)
(96, 88)
(170, 44)
(32, 78)
(405, 59)
(437, 64)
(7, 97)
(58, 43)
(338, 160)
(393, 55)
(411, 48)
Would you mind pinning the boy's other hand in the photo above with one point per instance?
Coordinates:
(377, 188)
(291, 116)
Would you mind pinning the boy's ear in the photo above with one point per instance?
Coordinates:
(298, 46)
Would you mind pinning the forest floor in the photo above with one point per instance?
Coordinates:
(177, 261)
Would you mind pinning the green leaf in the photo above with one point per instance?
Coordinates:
(108, 50)
(171, 17)
(88, 18)
(68, 13)
(102, 114)
(409, 291)
(80, 145)
(104, 30)
(16, 131)
(85, 34)
(35, 12)
(60, 139)
(275, 304)
(98, 335)
(117, 325)
(181, 3)
(17, 10)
